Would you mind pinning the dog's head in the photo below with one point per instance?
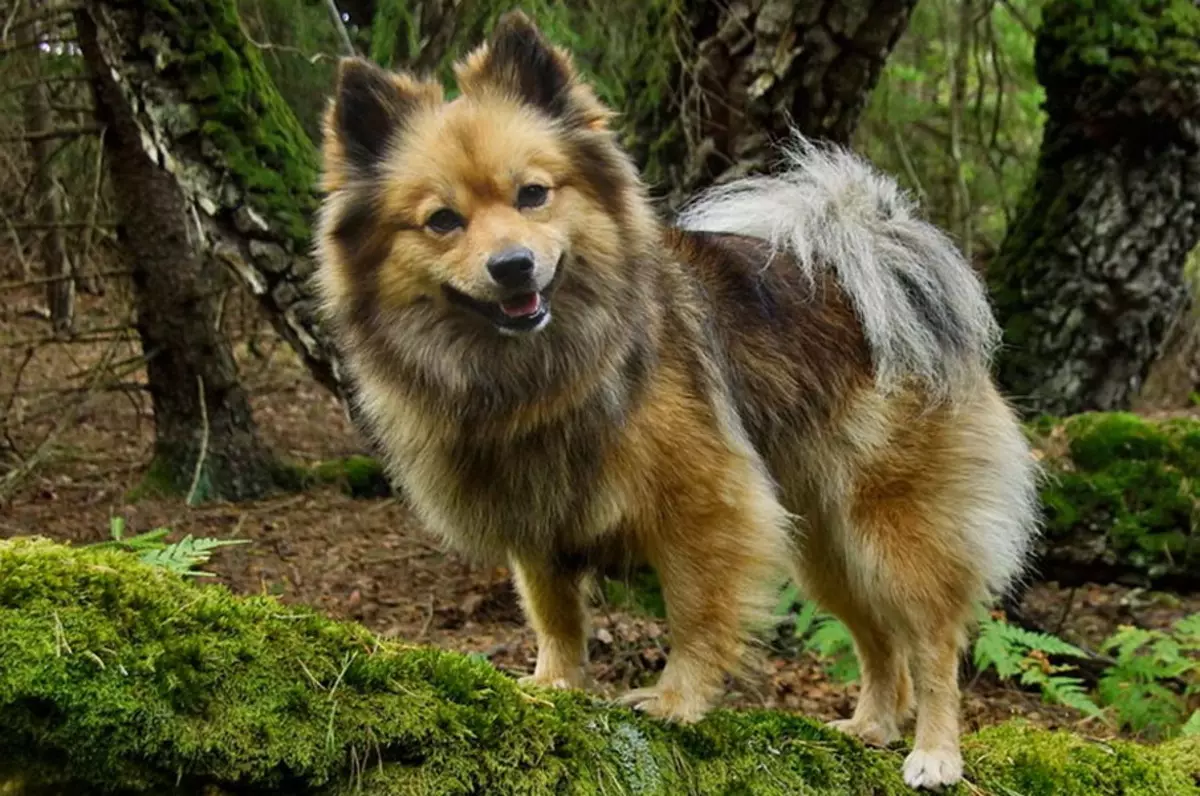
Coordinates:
(484, 213)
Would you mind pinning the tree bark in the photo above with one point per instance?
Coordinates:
(1089, 279)
(764, 66)
(208, 117)
(44, 193)
(206, 443)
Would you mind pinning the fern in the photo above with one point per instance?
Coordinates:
(1143, 686)
(1192, 725)
(1015, 652)
(182, 557)
(822, 635)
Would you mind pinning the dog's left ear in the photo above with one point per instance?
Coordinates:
(519, 61)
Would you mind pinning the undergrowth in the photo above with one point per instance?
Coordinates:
(182, 557)
(1150, 687)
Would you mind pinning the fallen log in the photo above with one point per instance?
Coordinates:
(119, 677)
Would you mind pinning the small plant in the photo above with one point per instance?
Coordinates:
(1016, 653)
(182, 557)
(822, 635)
(1155, 679)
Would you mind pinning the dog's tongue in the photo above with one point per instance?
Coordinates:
(522, 306)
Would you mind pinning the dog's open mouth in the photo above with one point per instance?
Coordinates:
(523, 312)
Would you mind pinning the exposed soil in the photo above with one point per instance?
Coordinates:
(368, 559)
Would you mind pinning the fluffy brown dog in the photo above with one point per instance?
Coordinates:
(796, 371)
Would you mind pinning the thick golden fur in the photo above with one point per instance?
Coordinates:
(696, 401)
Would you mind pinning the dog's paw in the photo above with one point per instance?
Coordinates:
(666, 703)
(873, 733)
(558, 683)
(933, 769)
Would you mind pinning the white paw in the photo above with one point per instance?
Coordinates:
(933, 768)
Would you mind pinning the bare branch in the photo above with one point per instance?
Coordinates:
(60, 132)
(343, 36)
(46, 280)
(34, 227)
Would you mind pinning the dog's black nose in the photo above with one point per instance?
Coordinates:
(511, 267)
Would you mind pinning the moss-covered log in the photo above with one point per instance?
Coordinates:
(121, 678)
(1090, 276)
(1122, 500)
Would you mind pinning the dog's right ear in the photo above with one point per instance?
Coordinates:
(369, 107)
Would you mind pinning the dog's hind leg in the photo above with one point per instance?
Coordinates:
(885, 695)
(909, 584)
(553, 601)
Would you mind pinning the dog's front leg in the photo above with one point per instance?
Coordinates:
(714, 566)
(553, 603)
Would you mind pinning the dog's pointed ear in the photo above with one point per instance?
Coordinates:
(369, 106)
(519, 61)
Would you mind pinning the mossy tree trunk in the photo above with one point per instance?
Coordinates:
(206, 443)
(208, 117)
(1090, 278)
(764, 66)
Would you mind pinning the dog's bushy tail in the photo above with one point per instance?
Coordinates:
(923, 309)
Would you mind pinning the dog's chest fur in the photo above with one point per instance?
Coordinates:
(542, 491)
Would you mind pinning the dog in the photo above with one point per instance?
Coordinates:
(793, 372)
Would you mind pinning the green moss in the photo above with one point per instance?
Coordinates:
(1134, 481)
(244, 125)
(392, 24)
(639, 592)
(359, 476)
(117, 676)
(1122, 38)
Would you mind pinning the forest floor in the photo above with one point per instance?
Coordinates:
(369, 560)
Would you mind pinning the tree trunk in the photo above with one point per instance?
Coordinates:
(206, 443)
(44, 193)
(1090, 279)
(763, 66)
(209, 117)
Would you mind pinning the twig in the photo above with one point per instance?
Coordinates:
(203, 442)
(26, 269)
(43, 280)
(269, 46)
(340, 26)
(1022, 20)
(29, 353)
(909, 169)
(33, 227)
(32, 19)
(23, 85)
(95, 206)
(65, 418)
(59, 132)
(11, 21)
(1070, 603)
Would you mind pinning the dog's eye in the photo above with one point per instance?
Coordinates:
(445, 221)
(532, 196)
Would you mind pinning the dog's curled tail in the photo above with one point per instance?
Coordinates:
(923, 309)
